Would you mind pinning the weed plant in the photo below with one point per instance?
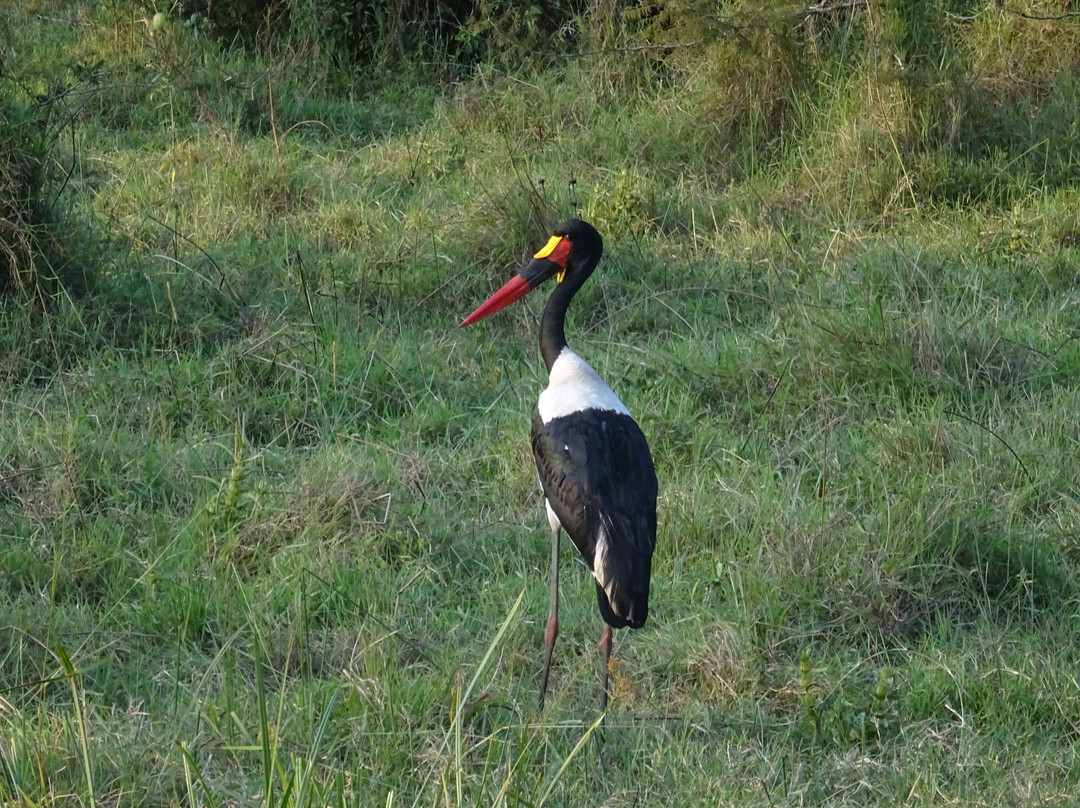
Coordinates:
(269, 527)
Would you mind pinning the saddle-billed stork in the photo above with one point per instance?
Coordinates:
(593, 460)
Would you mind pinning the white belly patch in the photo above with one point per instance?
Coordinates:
(574, 386)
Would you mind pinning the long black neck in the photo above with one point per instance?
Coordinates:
(553, 321)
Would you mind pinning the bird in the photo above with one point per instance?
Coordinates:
(596, 471)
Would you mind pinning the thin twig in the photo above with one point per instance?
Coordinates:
(996, 435)
(304, 287)
(632, 48)
(733, 28)
(9, 480)
(761, 412)
(236, 299)
(1063, 16)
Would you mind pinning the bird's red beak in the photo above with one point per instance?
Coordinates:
(515, 288)
(551, 260)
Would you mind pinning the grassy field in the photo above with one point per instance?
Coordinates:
(270, 532)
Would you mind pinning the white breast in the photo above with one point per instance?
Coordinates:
(574, 386)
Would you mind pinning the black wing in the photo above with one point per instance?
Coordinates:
(597, 474)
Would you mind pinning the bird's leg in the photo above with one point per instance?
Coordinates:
(605, 663)
(552, 630)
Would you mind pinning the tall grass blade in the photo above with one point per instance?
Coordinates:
(189, 766)
(458, 703)
(313, 752)
(264, 724)
(573, 753)
(80, 720)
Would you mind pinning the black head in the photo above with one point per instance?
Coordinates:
(586, 247)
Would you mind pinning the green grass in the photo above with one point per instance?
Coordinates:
(269, 526)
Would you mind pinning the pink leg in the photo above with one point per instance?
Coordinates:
(605, 661)
(552, 630)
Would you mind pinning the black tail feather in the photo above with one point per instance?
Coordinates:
(626, 611)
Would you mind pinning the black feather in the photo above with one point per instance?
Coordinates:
(597, 474)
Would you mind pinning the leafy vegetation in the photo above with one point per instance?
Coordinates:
(269, 527)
